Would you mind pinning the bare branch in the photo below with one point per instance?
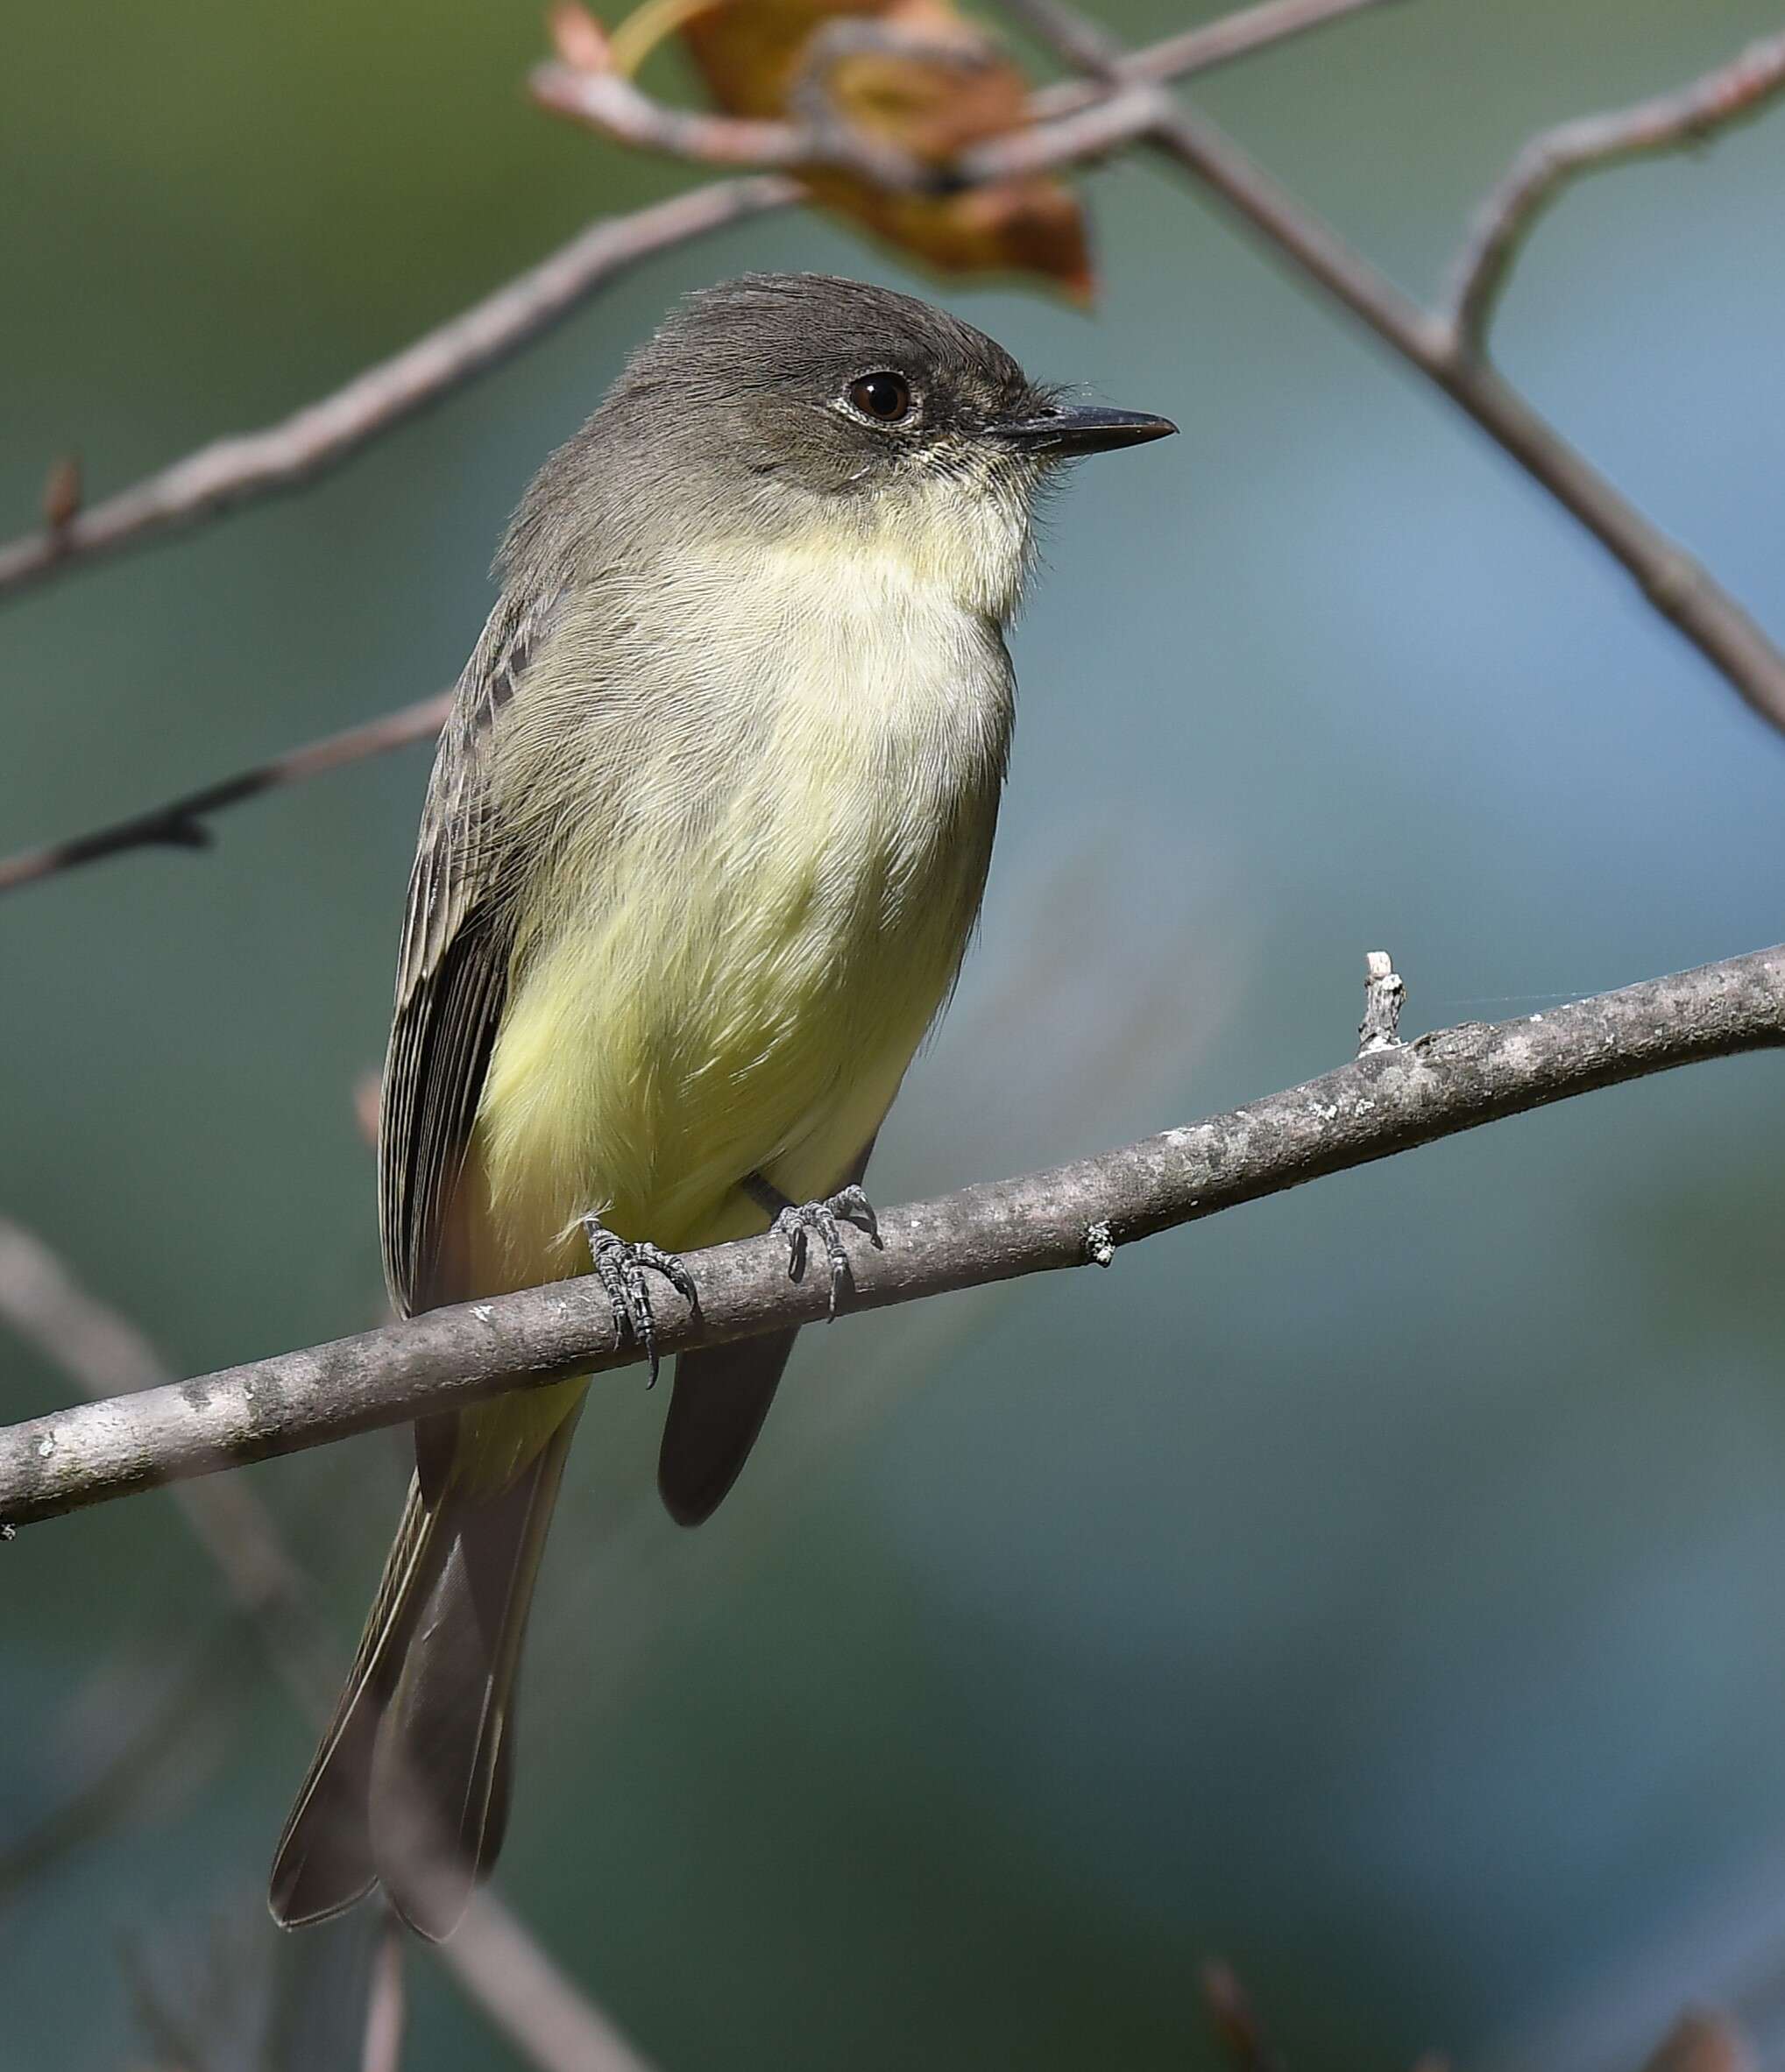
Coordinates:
(231, 471)
(1672, 582)
(180, 822)
(1692, 115)
(1379, 1105)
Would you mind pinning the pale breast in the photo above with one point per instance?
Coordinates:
(765, 873)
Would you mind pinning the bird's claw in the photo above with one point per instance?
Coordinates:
(797, 1223)
(620, 1267)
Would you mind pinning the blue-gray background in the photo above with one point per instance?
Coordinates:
(1384, 1586)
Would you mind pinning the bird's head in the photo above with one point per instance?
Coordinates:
(807, 408)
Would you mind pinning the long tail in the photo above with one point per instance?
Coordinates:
(409, 1787)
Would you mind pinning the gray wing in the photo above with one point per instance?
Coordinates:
(452, 975)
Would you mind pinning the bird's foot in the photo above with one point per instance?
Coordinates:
(799, 1222)
(621, 1267)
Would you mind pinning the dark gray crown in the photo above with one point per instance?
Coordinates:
(814, 330)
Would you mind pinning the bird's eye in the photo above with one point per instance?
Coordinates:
(885, 397)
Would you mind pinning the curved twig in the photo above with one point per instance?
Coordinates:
(1691, 114)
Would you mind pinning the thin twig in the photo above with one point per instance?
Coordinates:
(107, 1357)
(1674, 585)
(1370, 1109)
(1383, 997)
(181, 823)
(234, 471)
(1691, 114)
(387, 2003)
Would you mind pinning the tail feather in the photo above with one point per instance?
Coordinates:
(722, 1396)
(444, 1753)
(323, 1863)
(409, 1788)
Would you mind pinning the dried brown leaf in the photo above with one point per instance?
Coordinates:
(915, 74)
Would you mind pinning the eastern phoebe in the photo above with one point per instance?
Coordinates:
(705, 839)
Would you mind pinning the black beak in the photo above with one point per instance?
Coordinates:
(1074, 428)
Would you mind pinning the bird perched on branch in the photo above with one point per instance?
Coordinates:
(705, 839)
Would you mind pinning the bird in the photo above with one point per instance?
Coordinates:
(704, 841)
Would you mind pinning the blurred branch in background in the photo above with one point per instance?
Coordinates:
(181, 823)
(1386, 1102)
(1070, 123)
(1670, 122)
(1674, 584)
(492, 1956)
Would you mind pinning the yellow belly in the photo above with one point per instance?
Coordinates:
(729, 975)
(702, 1031)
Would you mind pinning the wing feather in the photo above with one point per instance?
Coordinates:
(452, 975)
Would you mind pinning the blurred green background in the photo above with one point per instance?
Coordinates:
(1382, 1586)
